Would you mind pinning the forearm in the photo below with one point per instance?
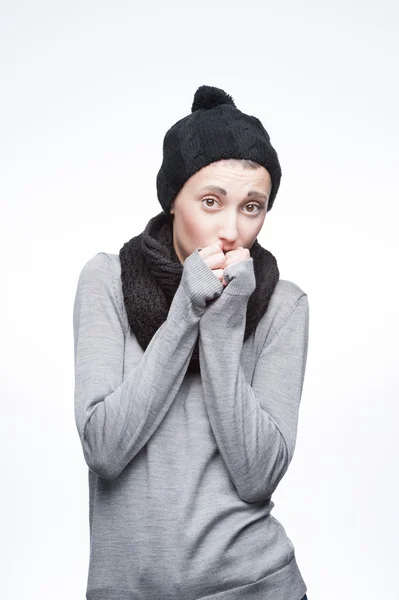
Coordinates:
(254, 425)
(116, 417)
(116, 426)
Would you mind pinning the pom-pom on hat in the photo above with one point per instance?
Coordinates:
(216, 129)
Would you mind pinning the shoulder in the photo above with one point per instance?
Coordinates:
(101, 274)
(287, 301)
(286, 294)
(103, 266)
(97, 274)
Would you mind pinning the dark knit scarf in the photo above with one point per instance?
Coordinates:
(151, 273)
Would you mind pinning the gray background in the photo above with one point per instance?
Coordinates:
(88, 90)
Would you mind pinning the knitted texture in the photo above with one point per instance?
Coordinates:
(151, 273)
(216, 129)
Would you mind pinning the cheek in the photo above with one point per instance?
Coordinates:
(248, 231)
(192, 225)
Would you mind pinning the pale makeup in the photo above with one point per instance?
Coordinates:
(225, 202)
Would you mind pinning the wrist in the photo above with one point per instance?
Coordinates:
(200, 284)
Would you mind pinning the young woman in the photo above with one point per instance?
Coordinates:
(190, 357)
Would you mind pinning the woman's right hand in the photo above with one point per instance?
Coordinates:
(214, 258)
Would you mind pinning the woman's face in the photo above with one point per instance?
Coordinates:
(223, 201)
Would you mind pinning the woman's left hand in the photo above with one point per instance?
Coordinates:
(235, 256)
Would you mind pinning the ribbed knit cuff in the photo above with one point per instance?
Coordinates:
(200, 284)
(241, 278)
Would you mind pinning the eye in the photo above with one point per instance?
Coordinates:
(259, 206)
(205, 199)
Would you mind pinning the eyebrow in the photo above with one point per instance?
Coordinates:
(251, 193)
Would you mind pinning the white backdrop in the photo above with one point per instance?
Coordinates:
(88, 90)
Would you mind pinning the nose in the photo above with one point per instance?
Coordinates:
(229, 233)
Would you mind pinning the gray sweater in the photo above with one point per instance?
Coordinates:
(182, 466)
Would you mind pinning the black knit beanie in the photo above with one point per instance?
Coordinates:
(216, 129)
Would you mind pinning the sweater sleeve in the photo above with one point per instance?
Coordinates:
(116, 418)
(255, 426)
